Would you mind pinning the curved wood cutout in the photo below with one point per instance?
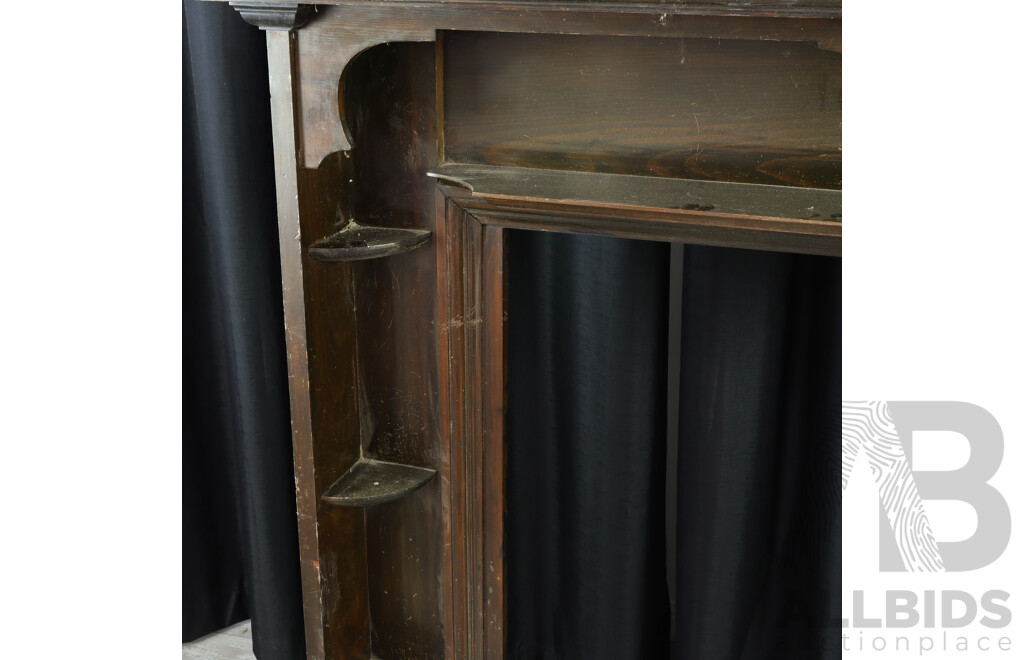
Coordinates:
(324, 50)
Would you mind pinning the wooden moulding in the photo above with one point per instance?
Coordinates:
(471, 340)
(789, 219)
(370, 482)
(356, 242)
(273, 15)
(335, 35)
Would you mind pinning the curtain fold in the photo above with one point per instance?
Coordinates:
(585, 535)
(759, 499)
(239, 531)
(759, 502)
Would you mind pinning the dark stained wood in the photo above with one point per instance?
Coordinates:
(333, 372)
(321, 349)
(391, 110)
(402, 360)
(707, 212)
(471, 338)
(356, 242)
(327, 47)
(337, 34)
(279, 48)
(273, 15)
(716, 197)
(405, 570)
(765, 112)
(371, 482)
(791, 8)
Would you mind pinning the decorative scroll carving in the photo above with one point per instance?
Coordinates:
(273, 16)
(326, 46)
(325, 49)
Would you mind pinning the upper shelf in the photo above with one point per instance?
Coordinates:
(356, 242)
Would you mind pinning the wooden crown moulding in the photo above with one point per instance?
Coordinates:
(791, 8)
(273, 15)
(778, 218)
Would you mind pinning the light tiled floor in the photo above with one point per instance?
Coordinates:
(234, 643)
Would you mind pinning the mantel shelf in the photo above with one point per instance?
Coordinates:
(370, 482)
(709, 198)
(744, 215)
(356, 242)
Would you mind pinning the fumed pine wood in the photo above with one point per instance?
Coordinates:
(371, 482)
(357, 242)
(471, 337)
(401, 359)
(279, 50)
(391, 109)
(273, 15)
(788, 7)
(337, 34)
(322, 356)
(766, 112)
(652, 208)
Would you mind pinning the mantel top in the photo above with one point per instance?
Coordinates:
(823, 8)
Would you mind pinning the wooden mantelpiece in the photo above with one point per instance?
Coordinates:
(409, 136)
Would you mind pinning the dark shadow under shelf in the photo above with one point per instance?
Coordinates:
(370, 481)
(356, 242)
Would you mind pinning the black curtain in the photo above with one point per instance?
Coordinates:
(239, 536)
(758, 514)
(585, 535)
(759, 500)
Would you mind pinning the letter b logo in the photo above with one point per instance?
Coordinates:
(883, 430)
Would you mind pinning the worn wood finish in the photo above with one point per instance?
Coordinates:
(337, 34)
(371, 482)
(321, 359)
(730, 110)
(816, 8)
(401, 359)
(357, 242)
(273, 15)
(471, 337)
(391, 110)
(706, 212)
(279, 49)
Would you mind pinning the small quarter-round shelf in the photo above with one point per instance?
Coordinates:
(370, 482)
(356, 242)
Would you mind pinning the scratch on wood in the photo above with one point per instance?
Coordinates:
(460, 323)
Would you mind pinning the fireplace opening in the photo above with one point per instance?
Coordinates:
(672, 485)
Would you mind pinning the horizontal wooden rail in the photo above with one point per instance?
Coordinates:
(779, 218)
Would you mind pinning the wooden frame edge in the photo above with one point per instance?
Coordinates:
(472, 362)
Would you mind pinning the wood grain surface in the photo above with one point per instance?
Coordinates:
(707, 109)
(725, 117)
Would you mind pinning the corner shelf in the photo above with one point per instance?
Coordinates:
(370, 482)
(356, 242)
